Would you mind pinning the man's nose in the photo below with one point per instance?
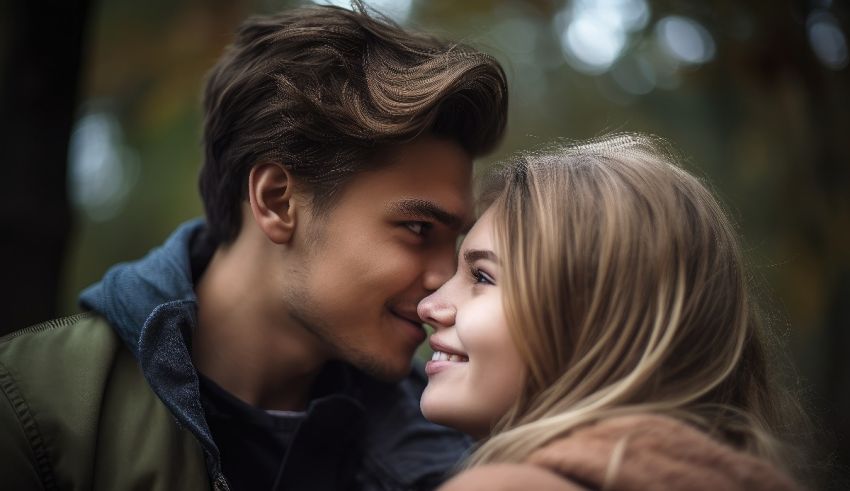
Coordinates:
(436, 311)
(440, 268)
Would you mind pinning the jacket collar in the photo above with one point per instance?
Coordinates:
(152, 306)
(130, 293)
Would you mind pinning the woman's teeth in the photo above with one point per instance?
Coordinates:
(440, 356)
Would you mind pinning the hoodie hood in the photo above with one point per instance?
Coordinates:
(152, 306)
(130, 292)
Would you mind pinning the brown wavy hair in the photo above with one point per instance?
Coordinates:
(321, 89)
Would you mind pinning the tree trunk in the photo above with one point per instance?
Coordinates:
(39, 80)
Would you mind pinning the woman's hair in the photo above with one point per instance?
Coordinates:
(322, 89)
(625, 293)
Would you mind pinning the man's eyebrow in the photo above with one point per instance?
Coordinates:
(428, 209)
(472, 255)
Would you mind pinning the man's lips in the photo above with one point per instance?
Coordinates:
(411, 317)
(417, 331)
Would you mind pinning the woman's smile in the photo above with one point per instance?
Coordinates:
(475, 372)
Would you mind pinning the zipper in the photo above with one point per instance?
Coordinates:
(220, 483)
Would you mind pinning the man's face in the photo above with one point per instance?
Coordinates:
(388, 241)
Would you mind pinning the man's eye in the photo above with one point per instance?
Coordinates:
(418, 228)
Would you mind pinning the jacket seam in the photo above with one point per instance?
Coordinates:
(43, 326)
(108, 383)
(30, 428)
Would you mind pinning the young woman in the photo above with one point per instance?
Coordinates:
(599, 332)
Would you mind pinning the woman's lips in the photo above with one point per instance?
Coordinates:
(439, 346)
(447, 356)
(441, 360)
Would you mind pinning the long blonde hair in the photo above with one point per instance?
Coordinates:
(625, 292)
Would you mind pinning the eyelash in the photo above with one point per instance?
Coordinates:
(480, 277)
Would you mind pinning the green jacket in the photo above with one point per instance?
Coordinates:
(110, 400)
(77, 413)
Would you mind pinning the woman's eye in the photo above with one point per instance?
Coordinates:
(481, 278)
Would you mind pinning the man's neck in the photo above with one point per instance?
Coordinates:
(245, 341)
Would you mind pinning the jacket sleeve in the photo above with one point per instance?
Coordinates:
(509, 477)
(18, 468)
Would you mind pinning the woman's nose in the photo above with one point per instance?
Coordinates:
(436, 311)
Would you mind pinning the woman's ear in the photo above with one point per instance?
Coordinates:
(270, 193)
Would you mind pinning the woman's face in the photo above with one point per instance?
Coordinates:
(476, 372)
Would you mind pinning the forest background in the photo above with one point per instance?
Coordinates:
(100, 128)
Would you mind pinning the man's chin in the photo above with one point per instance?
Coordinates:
(384, 371)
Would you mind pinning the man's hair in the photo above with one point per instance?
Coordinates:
(322, 89)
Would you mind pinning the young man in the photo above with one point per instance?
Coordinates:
(270, 346)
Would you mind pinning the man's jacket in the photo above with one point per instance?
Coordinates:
(109, 399)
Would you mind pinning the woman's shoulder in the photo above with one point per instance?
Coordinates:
(637, 452)
(647, 451)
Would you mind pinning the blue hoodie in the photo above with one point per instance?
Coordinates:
(152, 306)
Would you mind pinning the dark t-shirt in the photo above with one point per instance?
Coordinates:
(269, 450)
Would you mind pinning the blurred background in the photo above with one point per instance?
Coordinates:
(100, 115)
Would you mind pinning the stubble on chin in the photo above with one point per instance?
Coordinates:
(387, 369)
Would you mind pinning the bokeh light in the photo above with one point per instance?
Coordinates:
(685, 39)
(635, 75)
(102, 170)
(397, 10)
(594, 34)
(827, 40)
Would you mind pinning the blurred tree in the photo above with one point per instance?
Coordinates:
(38, 99)
(806, 108)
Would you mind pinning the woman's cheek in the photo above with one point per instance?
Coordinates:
(494, 375)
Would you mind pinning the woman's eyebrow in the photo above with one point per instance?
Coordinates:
(472, 255)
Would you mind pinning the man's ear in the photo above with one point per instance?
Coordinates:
(270, 193)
